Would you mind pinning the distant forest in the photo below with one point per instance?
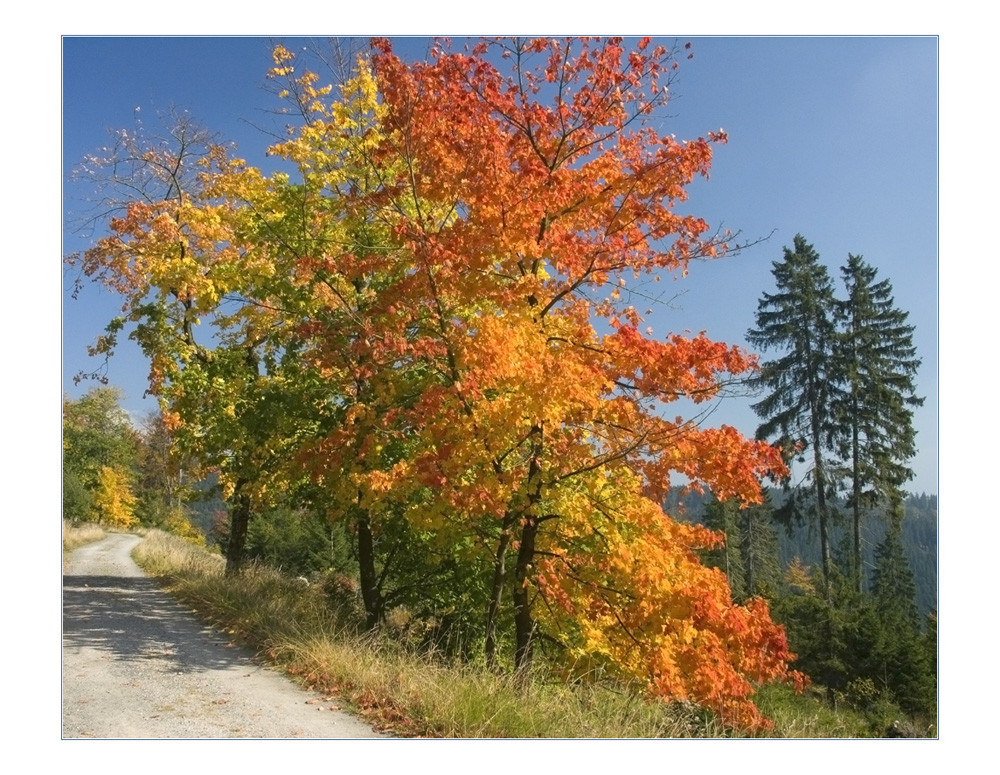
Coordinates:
(920, 537)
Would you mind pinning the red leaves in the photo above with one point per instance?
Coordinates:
(548, 197)
(442, 308)
(136, 216)
(677, 368)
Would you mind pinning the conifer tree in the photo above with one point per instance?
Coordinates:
(749, 556)
(877, 362)
(798, 319)
(931, 640)
(893, 586)
(760, 549)
(723, 516)
(902, 660)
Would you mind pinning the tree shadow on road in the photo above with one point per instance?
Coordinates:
(133, 619)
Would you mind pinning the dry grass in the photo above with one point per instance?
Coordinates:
(808, 716)
(75, 536)
(164, 554)
(411, 694)
(417, 695)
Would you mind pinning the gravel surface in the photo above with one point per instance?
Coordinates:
(138, 665)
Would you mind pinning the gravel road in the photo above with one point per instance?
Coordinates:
(138, 665)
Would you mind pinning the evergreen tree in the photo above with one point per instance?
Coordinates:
(759, 546)
(815, 628)
(892, 584)
(931, 640)
(902, 659)
(877, 362)
(750, 555)
(796, 410)
(723, 516)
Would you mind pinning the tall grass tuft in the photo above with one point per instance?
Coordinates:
(75, 536)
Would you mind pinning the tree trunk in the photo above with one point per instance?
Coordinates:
(856, 473)
(239, 523)
(819, 476)
(496, 592)
(370, 594)
(524, 625)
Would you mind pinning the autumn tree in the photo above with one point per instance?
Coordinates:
(431, 324)
(877, 362)
(165, 485)
(800, 384)
(100, 449)
(204, 298)
(357, 313)
(527, 201)
(159, 473)
(114, 501)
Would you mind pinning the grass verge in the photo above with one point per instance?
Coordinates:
(298, 629)
(75, 536)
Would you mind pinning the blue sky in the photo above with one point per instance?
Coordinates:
(833, 138)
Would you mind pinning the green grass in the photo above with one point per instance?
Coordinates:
(413, 694)
(807, 715)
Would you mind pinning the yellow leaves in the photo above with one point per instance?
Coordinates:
(114, 501)
(280, 55)
(427, 271)
(282, 58)
(799, 577)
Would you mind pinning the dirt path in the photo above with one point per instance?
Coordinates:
(137, 665)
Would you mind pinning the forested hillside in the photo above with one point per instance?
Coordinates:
(920, 538)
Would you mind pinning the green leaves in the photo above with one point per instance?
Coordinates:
(403, 333)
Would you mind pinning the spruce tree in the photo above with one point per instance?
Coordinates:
(749, 556)
(902, 659)
(893, 587)
(759, 548)
(877, 362)
(723, 516)
(798, 319)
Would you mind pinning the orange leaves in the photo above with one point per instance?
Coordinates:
(417, 336)
(526, 193)
(136, 215)
(515, 167)
(644, 608)
(678, 367)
